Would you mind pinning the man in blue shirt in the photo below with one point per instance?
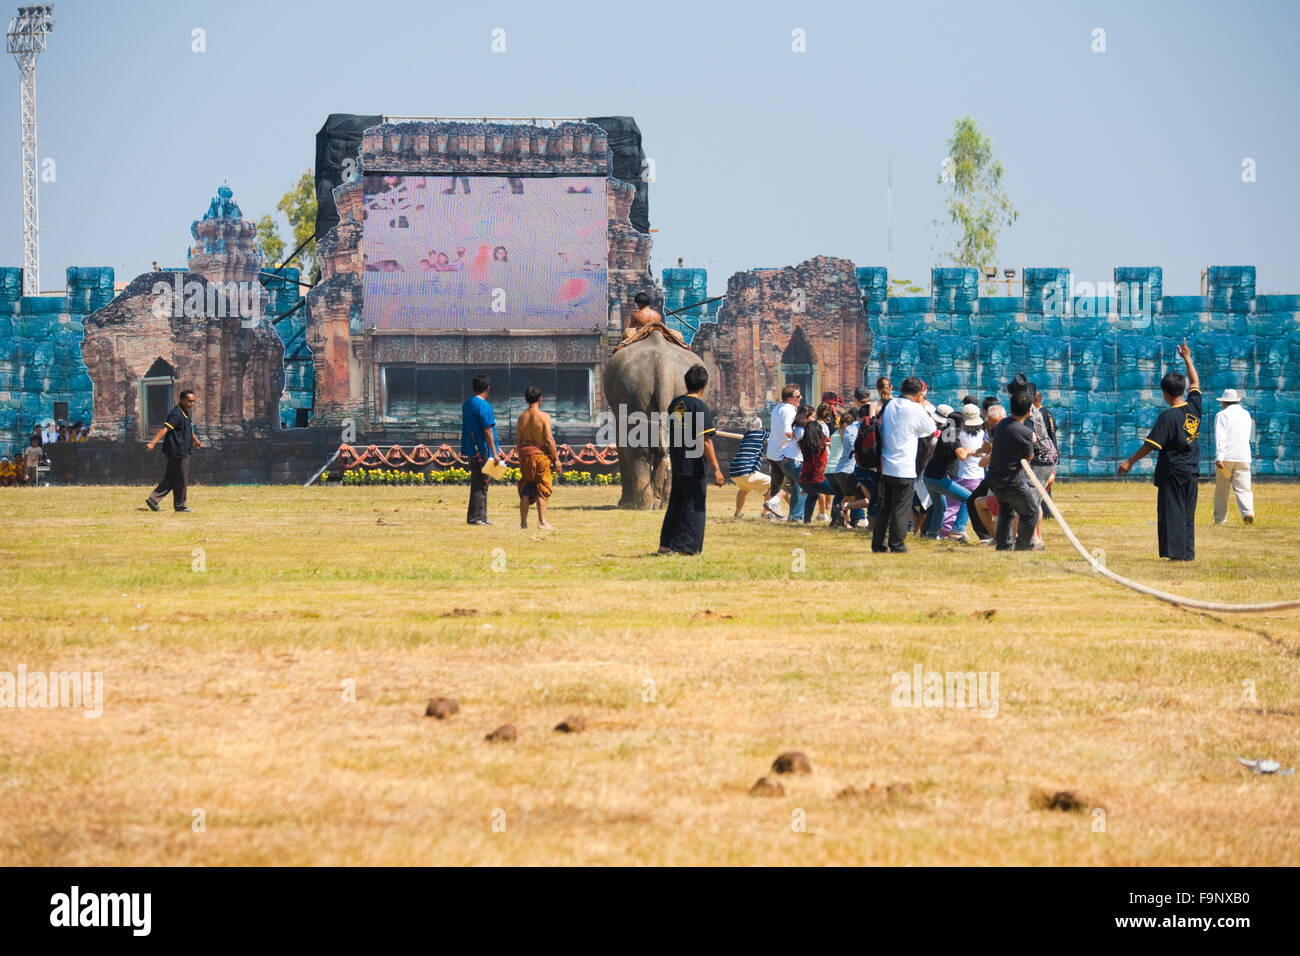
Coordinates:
(478, 442)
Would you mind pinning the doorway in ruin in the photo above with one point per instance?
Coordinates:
(156, 398)
(799, 365)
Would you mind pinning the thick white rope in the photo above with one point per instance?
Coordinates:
(1142, 588)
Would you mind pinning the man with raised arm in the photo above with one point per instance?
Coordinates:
(1176, 436)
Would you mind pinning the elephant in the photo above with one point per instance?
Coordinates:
(645, 377)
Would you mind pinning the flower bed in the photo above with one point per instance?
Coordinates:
(456, 476)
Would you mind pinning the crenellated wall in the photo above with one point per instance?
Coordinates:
(40, 351)
(1098, 358)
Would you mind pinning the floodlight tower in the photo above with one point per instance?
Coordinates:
(27, 33)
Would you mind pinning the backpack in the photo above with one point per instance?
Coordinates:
(1045, 450)
(947, 439)
(866, 447)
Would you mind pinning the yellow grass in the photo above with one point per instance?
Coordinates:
(225, 687)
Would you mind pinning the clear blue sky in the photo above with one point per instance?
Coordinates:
(764, 157)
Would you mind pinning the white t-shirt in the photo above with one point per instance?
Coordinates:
(970, 468)
(846, 463)
(794, 451)
(902, 424)
(778, 446)
(1232, 428)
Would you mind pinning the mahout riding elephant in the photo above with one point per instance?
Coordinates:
(644, 377)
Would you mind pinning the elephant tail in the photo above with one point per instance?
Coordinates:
(664, 392)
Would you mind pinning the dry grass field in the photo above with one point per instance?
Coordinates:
(227, 673)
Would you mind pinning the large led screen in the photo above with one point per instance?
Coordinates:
(485, 252)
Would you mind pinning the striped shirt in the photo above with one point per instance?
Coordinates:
(750, 455)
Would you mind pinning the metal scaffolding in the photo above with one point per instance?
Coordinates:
(26, 36)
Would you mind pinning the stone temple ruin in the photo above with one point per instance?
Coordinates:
(202, 329)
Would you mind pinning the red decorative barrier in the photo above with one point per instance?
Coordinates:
(445, 456)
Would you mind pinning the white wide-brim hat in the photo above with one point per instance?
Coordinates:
(1230, 395)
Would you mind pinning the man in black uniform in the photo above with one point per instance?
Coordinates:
(690, 425)
(1013, 442)
(178, 438)
(1176, 436)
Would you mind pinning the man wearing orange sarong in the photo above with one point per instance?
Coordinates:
(537, 455)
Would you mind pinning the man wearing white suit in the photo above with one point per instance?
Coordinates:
(1233, 427)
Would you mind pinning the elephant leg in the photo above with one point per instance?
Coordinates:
(634, 466)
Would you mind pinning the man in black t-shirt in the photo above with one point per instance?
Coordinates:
(1013, 442)
(690, 427)
(178, 438)
(1176, 436)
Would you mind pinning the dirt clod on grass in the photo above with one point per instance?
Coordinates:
(441, 707)
(792, 761)
(767, 788)
(572, 725)
(1062, 800)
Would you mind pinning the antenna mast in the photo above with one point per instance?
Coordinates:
(27, 33)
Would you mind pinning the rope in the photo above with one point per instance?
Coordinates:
(316, 476)
(1142, 588)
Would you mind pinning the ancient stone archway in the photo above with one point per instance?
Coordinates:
(156, 395)
(799, 365)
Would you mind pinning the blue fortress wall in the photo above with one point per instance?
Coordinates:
(299, 373)
(684, 287)
(40, 351)
(1099, 359)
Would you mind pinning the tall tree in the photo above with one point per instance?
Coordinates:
(979, 207)
(904, 287)
(299, 207)
(268, 236)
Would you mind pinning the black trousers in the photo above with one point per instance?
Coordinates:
(1176, 516)
(176, 480)
(1017, 497)
(976, 521)
(846, 489)
(895, 508)
(779, 480)
(683, 528)
(478, 485)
